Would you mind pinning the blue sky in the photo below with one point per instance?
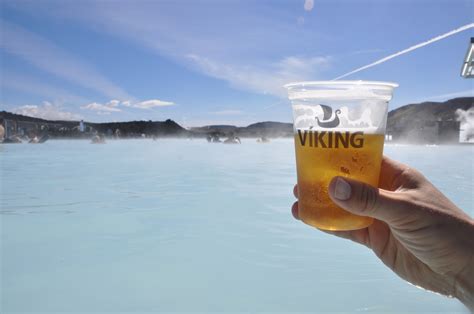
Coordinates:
(218, 61)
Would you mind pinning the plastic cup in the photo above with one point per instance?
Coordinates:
(339, 130)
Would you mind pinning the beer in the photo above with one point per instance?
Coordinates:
(339, 131)
(322, 155)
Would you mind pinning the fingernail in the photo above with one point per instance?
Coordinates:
(342, 190)
(294, 211)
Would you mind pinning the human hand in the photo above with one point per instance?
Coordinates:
(417, 232)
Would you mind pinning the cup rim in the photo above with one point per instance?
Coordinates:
(354, 83)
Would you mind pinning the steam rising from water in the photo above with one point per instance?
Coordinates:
(428, 42)
(466, 117)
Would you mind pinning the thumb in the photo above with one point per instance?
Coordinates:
(365, 200)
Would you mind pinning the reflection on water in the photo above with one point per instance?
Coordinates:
(187, 226)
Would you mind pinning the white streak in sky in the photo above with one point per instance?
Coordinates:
(428, 42)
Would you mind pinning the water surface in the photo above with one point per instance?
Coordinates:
(181, 225)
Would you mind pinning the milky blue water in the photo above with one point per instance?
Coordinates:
(179, 225)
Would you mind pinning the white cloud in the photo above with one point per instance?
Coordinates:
(103, 108)
(48, 57)
(308, 5)
(266, 80)
(113, 105)
(223, 47)
(148, 104)
(46, 111)
(229, 112)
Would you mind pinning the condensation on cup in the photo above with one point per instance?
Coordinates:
(339, 130)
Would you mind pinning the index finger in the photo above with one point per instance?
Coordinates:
(390, 171)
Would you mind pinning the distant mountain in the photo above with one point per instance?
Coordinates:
(429, 111)
(270, 126)
(167, 128)
(19, 117)
(268, 129)
(156, 128)
(222, 129)
(427, 122)
(260, 129)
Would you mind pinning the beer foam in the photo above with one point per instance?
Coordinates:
(366, 117)
(339, 94)
(368, 130)
(340, 90)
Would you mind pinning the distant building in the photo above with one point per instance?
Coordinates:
(81, 126)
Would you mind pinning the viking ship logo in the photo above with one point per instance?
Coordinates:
(329, 120)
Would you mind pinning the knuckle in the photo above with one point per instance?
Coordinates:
(368, 198)
(408, 178)
(414, 173)
(415, 176)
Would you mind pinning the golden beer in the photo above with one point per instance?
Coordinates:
(322, 155)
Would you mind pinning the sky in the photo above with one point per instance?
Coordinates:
(219, 61)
